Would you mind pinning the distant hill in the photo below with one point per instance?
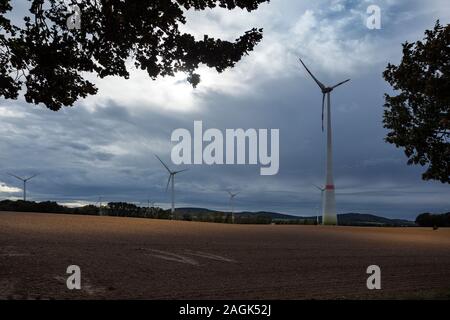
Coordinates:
(360, 219)
(273, 215)
(345, 219)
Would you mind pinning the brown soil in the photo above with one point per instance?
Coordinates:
(126, 258)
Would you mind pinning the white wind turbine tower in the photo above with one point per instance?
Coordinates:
(24, 180)
(232, 196)
(329, 216)
(171, 177)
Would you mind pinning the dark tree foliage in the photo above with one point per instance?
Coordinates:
(433, 220)
(50, 60)
(418, 116)
(31, 206)
(121, 209)
(124, 209)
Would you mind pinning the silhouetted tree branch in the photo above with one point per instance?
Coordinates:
(418, 116)
(53, 59)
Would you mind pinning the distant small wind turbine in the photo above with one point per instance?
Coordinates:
(100, 206)
(329, 216)
(321, 197)
(24, 180)
(232, 196)
(152, 203)
(99, 202)
(171, 177)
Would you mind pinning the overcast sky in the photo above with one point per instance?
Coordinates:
(104, 145)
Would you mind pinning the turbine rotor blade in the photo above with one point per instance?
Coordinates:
(321, 189)
(163, 164)
(168, 182)
(340, 83)
(17, 177)
(320, 84)
(323, 108)
(31, 177)
(232, 195)
(175, 172)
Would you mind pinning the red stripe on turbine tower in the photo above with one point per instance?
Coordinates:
(329, 187)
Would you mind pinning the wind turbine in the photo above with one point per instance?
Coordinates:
(232, 196)
(321, 197)
(24, 180)
(152, 204)
(100, 204)
(329, 216)
(171, 177)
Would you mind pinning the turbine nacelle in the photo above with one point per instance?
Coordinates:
(329, 89)
(232, 195)
(322, 87)
(171, 178)
(319, 188)
(171, 173)
(325, 90)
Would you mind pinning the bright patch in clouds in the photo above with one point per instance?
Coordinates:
(10, 112)
(139, 91)
(7, 189)
(328, 44)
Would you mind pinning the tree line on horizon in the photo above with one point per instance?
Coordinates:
(433, 220)
(124, 209)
